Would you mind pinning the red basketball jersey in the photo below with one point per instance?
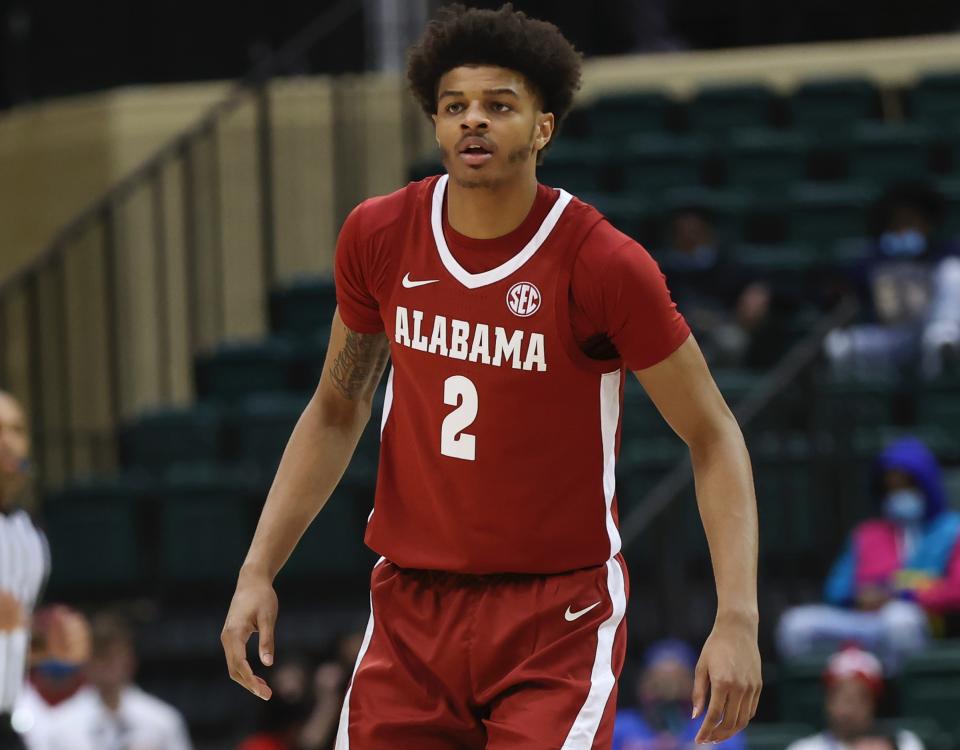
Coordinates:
(499, 435)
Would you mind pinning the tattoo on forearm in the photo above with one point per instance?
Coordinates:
(359, 364)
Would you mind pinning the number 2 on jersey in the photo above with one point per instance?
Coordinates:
(459, 391)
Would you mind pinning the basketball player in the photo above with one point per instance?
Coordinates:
(510, 312)
(24, 562)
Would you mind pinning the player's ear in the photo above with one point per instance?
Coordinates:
(545, 125)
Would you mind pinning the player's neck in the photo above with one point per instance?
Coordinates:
(485, 213)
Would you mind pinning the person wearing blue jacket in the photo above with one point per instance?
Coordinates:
(662, 719)
(895, 570)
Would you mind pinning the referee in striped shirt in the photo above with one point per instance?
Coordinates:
(24, 562)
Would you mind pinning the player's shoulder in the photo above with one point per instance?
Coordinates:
(382, 213)
(605, 247)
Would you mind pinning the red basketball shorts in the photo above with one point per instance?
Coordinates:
(498, 662)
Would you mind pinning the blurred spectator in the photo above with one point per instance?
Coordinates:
(905, 289)
(59, 651)
(854, 682)
(737, 317)
(894, 570)
(112, 712)
(301, 715)
(21, 582)
(662, 720)
(282, 718)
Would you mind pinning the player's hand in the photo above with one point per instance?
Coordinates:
(730, 667)
(253, 610)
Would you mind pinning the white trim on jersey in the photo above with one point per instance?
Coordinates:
(475, 280)
(387, 402)
(343, 729)
(609, 418)
(602, 680)
(387, 406)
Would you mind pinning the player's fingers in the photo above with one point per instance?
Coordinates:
(242, 674)
(700, 683)
(234, 641)
(265, 626)
(731, 713)
(718, 702)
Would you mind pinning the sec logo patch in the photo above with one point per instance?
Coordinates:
(523, 299)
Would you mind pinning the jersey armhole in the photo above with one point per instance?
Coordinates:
(564, 325)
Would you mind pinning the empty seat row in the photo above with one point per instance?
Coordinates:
(186, 534)
(813, 106)
(252, 433)
(750, 159)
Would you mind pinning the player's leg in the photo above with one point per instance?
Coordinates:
(409, 688)
(553, 672)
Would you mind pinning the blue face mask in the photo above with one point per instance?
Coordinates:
(906, 244)
(56, 670)
(905, 507)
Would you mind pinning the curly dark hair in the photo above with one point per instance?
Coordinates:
(506, 38)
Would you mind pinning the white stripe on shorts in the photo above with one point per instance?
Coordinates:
(602, 680)
(343, 730)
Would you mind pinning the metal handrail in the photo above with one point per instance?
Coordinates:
(803, 355)
(325, 24)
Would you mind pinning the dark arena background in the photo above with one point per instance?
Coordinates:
(173, 177)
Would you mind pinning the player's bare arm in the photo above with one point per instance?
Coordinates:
(314, 461)
(686, 395)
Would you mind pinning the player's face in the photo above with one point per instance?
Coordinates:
(489, 126)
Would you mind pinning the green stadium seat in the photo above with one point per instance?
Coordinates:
(884, 153)
(950, 190)
(161, 438)
(832, 106)
(847, 252)
(725, 207)
(929, 685)
(951, 483)
(801, 692)
(641, 419)
(304, 307)
(767, 159)
(631, 213)
(822, 214)
(576, 167)
(775, 736)
(736, 384)
(652, 164)
(239, 368)
(936, 98)
(94, 542)
(721, 109)
(262, 425)
(206, 523)
(938, 404)
(424, 168)
(333, 544)
(774, 261)
(617, 116)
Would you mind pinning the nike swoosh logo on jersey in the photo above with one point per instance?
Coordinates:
(407, 284)
(571, 616)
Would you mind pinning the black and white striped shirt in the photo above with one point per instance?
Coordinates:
(24, 566)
